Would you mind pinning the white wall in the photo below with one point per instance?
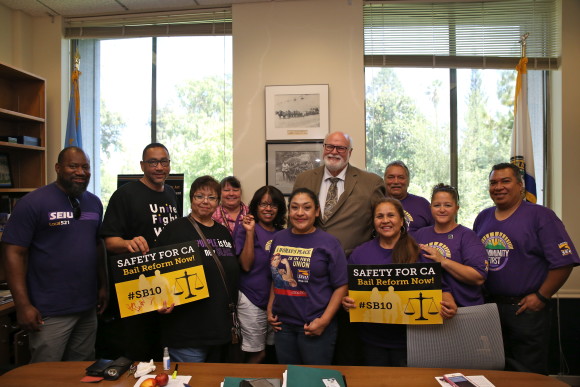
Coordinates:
(294, 43)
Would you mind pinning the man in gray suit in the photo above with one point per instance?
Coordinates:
(349, 216)
(346, 195)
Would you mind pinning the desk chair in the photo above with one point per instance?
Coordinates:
(471, 339)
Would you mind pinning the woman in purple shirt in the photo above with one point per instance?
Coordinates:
(457, 248)
(267, 215)
(386, 344)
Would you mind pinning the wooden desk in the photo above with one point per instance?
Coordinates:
(210, 375)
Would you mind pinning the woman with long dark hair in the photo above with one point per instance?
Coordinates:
(386, 344)
(308, 282)
(267, 216)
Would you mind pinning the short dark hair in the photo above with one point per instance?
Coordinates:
(277, 198)
(205, 182)
(231, 180)
(153, 145)
(312, 196)
(64, 151)
(398, 163)
(515, 169)
(446, 188)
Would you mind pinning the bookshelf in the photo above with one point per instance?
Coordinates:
(22, 134)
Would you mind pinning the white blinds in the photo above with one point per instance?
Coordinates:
(482, 34)
(185, 23)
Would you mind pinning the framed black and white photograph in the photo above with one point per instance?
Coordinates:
(286, 160)
(296, 112)
(5, 174)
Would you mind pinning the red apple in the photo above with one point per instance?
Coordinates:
(150, 382)
(162, 379)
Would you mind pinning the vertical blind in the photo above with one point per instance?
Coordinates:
(184, 23)
(483, 34)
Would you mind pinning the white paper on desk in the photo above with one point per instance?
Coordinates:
(478, 380)
(177, 382)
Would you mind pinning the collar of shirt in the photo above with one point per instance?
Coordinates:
(326, 184)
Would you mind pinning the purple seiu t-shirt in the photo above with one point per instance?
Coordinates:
(318, 267)
(523, 248)
(463, 246)
(62, 272)
(417, 212)
(255, 284)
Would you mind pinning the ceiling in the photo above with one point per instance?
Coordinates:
(68, 8)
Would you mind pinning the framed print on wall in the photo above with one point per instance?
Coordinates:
(286, 160)
(297, 112)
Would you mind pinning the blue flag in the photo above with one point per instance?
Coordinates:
(522, 153)
(73, 123)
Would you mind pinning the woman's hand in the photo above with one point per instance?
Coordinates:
(448, 306)
(248, 222)
(316, 327)
(273, 321)
(348, 303)
(166, 309)
(431, 253)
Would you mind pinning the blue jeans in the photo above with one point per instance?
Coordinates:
(188, 355)
(294, 347)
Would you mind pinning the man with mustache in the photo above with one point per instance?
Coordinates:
(55, 265)
(417, 209)
(347, 215)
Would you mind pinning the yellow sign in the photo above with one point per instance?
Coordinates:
(172, 274)
(396, 294)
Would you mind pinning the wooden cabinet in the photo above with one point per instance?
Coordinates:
(22, 132)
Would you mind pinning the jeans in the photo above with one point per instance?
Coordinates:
(384, 357)
(188, 355)
(294, 347)
(65, 338)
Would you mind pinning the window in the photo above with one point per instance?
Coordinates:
(171, 89)
(450, 122)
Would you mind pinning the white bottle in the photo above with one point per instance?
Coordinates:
(166, 360)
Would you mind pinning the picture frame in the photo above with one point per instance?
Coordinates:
(286, 160)
(5, 171)
(298, 112)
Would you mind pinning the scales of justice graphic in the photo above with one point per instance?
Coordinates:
(178, 288)
(410, 310)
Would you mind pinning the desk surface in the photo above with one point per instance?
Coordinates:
(210, 375)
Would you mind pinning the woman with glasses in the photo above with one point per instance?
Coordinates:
(460, 252)
(309, 279)
(266, 217)
(201, 331)
(231, 209)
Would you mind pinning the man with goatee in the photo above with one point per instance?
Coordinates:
(54, 263)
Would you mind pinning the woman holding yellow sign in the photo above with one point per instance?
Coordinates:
(386, 344)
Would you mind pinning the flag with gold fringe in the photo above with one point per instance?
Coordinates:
(522, 153)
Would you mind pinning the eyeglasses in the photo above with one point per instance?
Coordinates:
(201, 198)
(76, 207)
(154, 162)
(266, 205)
(339, 149)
